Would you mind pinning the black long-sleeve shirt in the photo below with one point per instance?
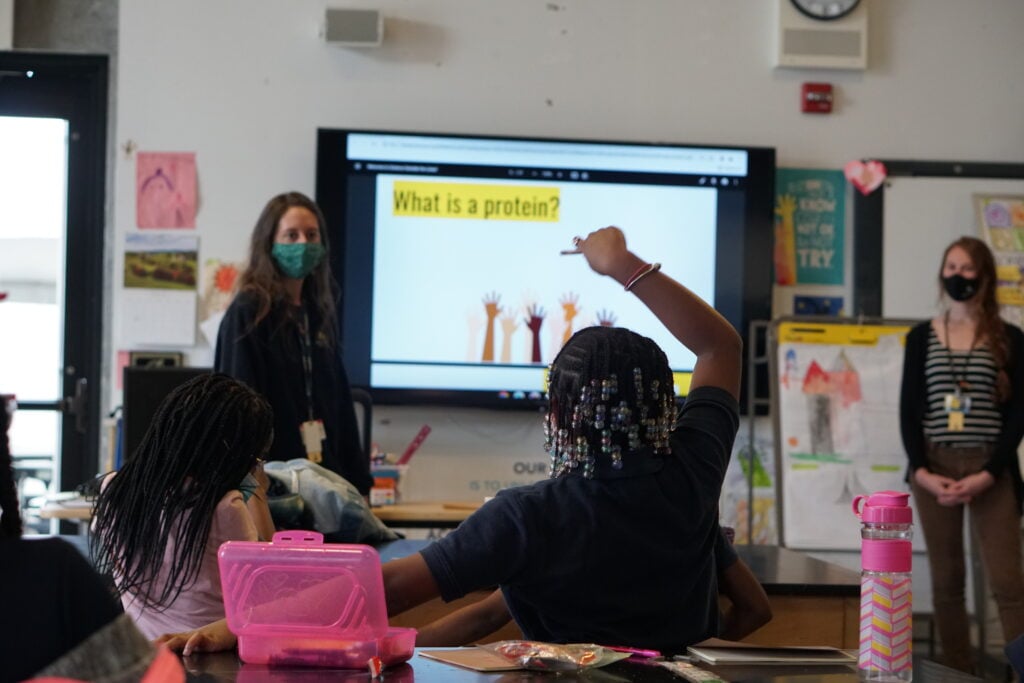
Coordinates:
(268, 357)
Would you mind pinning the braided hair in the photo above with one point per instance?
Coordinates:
(610, 391)
(10, 512)
(206, 435)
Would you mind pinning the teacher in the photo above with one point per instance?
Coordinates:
(280, 336)
(962, 418)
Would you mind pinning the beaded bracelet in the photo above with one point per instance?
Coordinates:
(640, 274)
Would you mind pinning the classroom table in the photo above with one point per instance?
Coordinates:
(426, 515)
(225, 666)
(813, 602)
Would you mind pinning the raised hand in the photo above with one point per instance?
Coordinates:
(534, 321)
(569, 311)
(509, 325)
(491, 306)
(492, 309)
(606, 318)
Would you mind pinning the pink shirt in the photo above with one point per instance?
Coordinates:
(202, 602)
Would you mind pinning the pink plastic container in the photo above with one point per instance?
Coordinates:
(299, 601)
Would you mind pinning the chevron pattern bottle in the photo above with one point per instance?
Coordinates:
(886, 627)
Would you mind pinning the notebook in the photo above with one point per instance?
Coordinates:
(742, 653)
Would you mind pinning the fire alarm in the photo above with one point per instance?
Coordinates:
(816, 98)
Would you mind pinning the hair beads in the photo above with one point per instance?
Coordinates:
(592, 416)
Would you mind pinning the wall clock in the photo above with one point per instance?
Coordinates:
(825, 10)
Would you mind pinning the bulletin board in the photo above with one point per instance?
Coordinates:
(835, 400)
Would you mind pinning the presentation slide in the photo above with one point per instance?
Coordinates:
(468, 273)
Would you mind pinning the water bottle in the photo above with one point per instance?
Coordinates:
(886, 633)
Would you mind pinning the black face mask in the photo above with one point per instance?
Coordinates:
(960, 288)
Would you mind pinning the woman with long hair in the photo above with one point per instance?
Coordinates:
(962, 418)
(160, 520)
(280, 336)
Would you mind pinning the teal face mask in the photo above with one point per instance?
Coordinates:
(298, 260)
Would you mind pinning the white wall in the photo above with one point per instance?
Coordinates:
(245, 84)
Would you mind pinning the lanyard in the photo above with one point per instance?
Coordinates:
(959, 382)
(307, 361)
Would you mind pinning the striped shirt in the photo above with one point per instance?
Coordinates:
(942, 369)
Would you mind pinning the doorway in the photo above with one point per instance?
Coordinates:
(53, 118)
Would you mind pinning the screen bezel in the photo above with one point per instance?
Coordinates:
(743, 261)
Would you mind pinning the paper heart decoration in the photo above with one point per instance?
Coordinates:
(866, 177)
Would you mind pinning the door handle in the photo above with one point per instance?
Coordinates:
(75, 405)
(78, 404)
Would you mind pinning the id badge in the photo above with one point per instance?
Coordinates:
(957, 406)
(313, 435)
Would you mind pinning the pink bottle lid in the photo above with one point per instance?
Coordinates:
(884, 507)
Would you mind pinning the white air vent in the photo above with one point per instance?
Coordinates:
(831, 44)
(354, 27)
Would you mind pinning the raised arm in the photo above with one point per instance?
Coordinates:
(697, 325)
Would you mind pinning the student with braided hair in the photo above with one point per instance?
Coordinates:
(160, 520)
(618, 546)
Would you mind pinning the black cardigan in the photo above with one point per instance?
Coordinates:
(268, 358)
(913, 398)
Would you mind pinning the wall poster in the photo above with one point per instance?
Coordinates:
(810, 214)
(835, 394)
(1001, 222)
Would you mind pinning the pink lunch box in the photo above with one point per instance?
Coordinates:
(300, 601)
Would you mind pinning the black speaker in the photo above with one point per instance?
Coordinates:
(144, 389)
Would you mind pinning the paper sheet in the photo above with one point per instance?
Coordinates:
(165, 189)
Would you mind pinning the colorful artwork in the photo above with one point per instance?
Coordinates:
(165, 190)
(1001, 222)
(837, 391)
(748, 502)
(218, 286)
(810, 216)
(160, 261)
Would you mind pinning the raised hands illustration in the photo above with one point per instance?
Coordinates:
(569, 311)
(606, 318)
(492, 309)
(509, 325)
(534, 321)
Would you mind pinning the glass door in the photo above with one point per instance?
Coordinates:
(33, 201)
(52, 198)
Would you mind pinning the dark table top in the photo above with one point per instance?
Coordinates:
(781, 571)
(791, 572)
(225, 666)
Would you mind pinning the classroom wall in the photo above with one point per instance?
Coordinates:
(246, 83)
